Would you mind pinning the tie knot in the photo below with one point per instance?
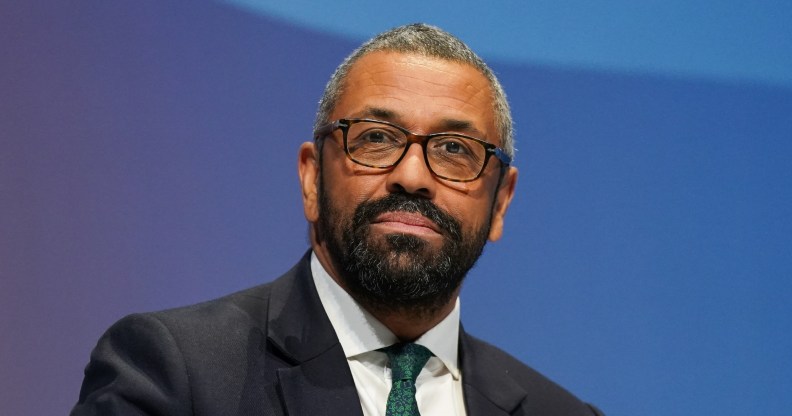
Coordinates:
(407, 360)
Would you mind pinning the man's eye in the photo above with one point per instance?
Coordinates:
(375, 137)
(452, 147)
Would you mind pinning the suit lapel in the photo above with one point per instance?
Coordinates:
(321, 385)
(299, 329)
(488, 389)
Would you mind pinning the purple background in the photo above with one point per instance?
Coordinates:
(148, 160)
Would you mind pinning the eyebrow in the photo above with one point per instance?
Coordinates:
(379, 113)
(446, 124)
(451, 124)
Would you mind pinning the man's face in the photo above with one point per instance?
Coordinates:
(401, 237)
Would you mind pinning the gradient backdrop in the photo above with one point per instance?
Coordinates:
(148, 160)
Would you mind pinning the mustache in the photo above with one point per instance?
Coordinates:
(367, 211)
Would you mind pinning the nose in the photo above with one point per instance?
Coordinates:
(412, 175)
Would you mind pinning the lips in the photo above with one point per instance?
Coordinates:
(401, 213)
(412, 222)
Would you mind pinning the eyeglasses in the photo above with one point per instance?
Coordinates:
(380, 144)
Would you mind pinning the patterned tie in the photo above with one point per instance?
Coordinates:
(406, 361)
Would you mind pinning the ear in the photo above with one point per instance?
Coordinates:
(308, 169)
(503, 198)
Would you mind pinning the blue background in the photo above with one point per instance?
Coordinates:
(148, 160)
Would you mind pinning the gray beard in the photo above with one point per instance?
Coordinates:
(399, 274)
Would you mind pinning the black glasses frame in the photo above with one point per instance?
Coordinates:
(345, 123)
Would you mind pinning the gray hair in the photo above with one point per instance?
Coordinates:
(426, 40)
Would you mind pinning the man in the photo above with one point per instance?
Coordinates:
(407, 178)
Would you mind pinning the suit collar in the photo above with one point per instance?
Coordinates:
(319, 384)
(489, 390)
(319, 378)
(298, 325)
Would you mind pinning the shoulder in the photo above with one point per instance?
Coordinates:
(189, 332)
(236, 312)
(176, 360)
(217, 315)
(481, 353)
(488, 367)
(220, 329)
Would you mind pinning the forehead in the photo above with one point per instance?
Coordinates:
(421, 93)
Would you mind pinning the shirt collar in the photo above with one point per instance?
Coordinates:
(359, 332)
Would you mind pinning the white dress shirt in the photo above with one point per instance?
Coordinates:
(439, 385)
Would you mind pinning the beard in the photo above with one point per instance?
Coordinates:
(398, 273)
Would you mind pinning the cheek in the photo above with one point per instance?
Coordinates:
(475, 216)
(347, 187)
(470, 204)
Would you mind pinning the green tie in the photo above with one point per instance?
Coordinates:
(406, 361)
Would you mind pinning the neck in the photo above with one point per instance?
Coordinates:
(409, 326)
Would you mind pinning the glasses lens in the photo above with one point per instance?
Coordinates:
(375, 144)
(381, 145)
(455, 157)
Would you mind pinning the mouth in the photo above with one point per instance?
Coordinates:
(406, 223)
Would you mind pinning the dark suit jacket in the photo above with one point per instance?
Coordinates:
(271, 350)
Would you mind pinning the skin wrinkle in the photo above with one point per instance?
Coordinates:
(449, 74)
(465, 102)
(449, 125)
